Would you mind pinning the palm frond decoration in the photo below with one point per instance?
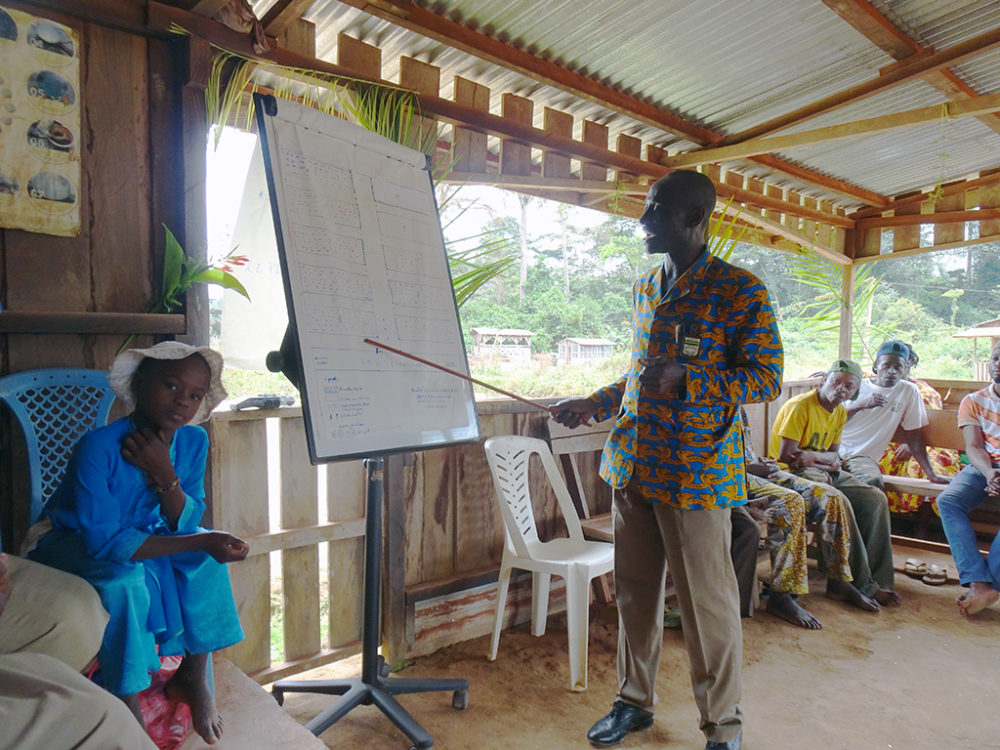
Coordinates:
(822, 312)
(725, 230)
(386, 109)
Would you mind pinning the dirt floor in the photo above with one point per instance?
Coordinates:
(916, 677)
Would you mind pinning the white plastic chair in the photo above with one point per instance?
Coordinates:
(576, 559)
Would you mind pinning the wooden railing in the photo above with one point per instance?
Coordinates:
(265, 490)
(443, 535)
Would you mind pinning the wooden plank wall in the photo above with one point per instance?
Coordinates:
(110, 265)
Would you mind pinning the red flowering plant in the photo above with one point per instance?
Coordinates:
(180, 271)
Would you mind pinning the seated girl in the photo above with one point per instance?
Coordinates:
(126, 519)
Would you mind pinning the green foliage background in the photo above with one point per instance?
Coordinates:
(579, 281)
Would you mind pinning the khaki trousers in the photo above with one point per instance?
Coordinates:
(45, 704)
(695, 544)
(50, 629)
(51, 612)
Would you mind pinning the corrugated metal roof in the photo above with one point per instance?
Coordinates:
(726, 65)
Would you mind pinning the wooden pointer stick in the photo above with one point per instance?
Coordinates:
(456, 374)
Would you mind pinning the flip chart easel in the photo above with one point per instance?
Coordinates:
(361, 251)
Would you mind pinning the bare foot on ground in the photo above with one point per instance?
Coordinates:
(190, 685)
(845, 591)
(783, 605)
(887, 597)
(132, 701)
(979, 596)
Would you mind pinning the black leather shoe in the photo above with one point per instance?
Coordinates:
(736, 743)
(624, 718)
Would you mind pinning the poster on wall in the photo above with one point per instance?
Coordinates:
(39, 125)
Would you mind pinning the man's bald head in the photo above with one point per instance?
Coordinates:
(678, 208)
(686, 189)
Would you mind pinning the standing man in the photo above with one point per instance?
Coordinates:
(705, 341)
(884, 402)
(976, 484)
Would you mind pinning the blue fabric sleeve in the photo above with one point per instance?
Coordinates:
(190, 462)
(99, 512)
(608, 400)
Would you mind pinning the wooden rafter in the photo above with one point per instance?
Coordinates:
(407, 14)
(942, 217)
(526, 133)
(912, 199)
(283, 14)
(208, 7)
(869, 126)
(895, 42)
(894, 75)
(482, 120)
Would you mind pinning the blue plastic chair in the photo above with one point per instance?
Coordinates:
(55, 408)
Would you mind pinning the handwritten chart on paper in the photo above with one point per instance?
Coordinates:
(362, 256)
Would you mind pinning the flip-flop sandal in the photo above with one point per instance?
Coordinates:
(671, 617)
(915, 568)
(936, 576)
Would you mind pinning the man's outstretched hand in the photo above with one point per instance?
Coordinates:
(572, 412)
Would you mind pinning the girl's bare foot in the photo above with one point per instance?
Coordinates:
(979, 596)
(783, 605)
(189, 685)
(845, 591)
(887, 597)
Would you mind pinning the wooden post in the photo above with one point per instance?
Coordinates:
(846, 313)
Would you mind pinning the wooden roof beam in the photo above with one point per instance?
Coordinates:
(944, 217)
(525, 133)
(889, 77)
(407, 14)
(282, 15)
(161, 16)
(984, 179)
(894, 41)
(208, 7)
(950, 110)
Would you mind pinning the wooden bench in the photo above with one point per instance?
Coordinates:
(941, 431)
(253, 718)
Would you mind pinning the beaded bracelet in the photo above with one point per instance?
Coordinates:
(167, 487)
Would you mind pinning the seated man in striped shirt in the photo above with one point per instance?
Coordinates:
(976, 484)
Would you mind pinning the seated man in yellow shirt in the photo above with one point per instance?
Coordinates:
(805, 438)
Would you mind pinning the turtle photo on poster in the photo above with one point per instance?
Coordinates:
(39, 125)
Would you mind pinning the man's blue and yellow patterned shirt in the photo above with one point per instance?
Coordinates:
(686, 449)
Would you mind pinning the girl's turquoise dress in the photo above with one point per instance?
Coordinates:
(101, 514)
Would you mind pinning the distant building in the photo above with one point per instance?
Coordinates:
(575, 351)
(989, 329)
(505, 344)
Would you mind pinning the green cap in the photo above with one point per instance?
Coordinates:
(897, 347)
(846, 365)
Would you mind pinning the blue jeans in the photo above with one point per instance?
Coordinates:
(965, 493)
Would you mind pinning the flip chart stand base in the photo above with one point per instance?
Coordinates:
(374, 686)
